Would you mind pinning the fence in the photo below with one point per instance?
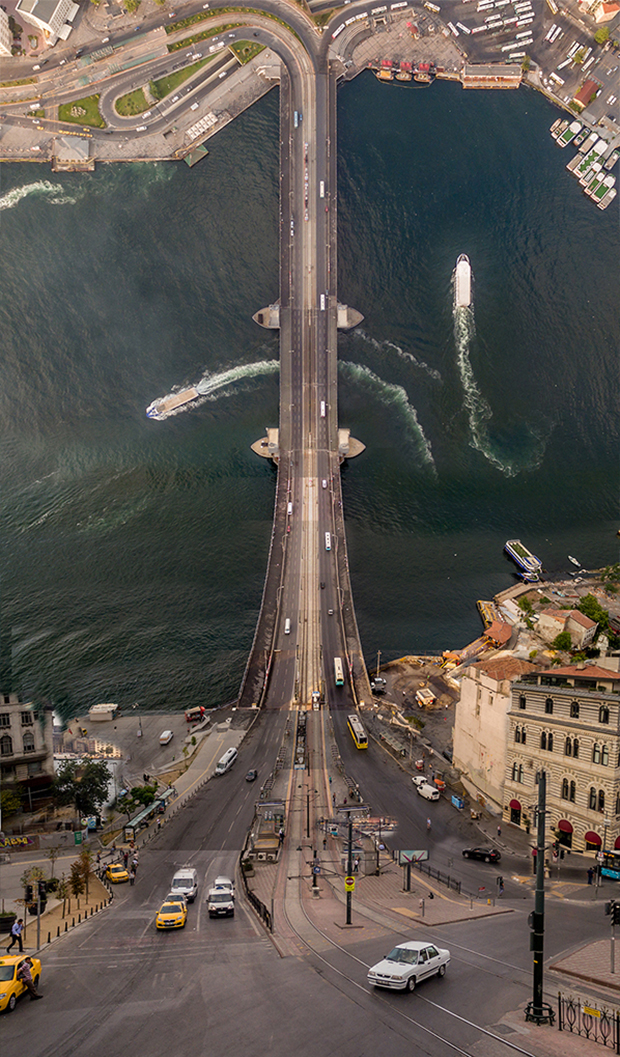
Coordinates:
(598, 1025)
(443, 878)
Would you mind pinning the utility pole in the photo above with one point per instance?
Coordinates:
(378, 661)
(349, 864)
(538, 1011)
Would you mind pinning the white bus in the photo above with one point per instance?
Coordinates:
(322, 189)
(322, 302)
(322, 409)
(328, 541)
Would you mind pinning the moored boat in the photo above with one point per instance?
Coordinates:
(611, 160)
(560, 129)
(528, 564)
(608, 199)
(574, 561)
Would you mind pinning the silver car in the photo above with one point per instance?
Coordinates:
(409, 963)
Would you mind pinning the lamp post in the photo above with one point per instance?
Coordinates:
(537, 1010)
(600, 862)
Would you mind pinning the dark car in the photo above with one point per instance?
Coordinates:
(252, 775)
(483, 854)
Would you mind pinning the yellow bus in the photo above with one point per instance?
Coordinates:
(357, 732)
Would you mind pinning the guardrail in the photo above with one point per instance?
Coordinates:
(600, 1025)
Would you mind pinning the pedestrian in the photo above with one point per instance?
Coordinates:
(125, 858)
(324, 843)
(159, 823)
(132, 876)
(134, 864)
(98, 858)
(16, 935)
(281, 835)
(499, 831)
(356, 864)
(590, 876)
(24, 973)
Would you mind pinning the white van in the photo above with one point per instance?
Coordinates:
(185, 883)
(322, 409)
(287, 626)
(289, 509)
(328, 541)
(227, 761)
(429, 792)
(166, 737)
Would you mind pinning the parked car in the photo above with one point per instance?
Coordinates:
(116, 873)
(252, 775)
(409, 963)
(428, 791)
(172, 914)
(482, 854)
(11, 988)
(419, 779)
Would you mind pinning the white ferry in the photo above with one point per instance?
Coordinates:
(161, 408)
(529, 565)
(462, 282)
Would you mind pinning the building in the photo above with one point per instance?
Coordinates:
(493, 76)
(605, 12)
(552, 622)
(6, 37)
(481, 724)
(586, 94)
(567, 722)
(53, 17)
(26, 749)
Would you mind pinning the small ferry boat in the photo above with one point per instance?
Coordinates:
(611, 160)
(161, 408)
(608, 199)
(528, 564)
(555, 125)
(579, 138)
(462, 282)
(404, 73)
(603, 189)
(423, 73)
(574, 561)
(569, 134)
(385, 73)
(560, 129)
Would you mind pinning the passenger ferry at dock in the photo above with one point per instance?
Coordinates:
(529, 565)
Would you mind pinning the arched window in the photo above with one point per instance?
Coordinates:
(543, 740)
(603, 714)
(617, 803)
(550, 741)
(571, 795)
(6, 745)
(521, 701)
(565, 789)
(576, 748)
(517, 772)
(28, 741)
(549, 706)
(574, 709)
(601, 800)
(568, 747)
(605, 756)
(596, 754)
(592, 799)
(518, 734)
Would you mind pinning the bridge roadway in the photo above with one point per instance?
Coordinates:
(286, 667)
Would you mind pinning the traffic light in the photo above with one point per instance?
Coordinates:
(615, 913)
(28, 893)
(42, 890)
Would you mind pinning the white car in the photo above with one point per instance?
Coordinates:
(409, 963)
(224, 883)
(419, 779)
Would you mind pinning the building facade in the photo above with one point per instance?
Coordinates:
(481, 725)
(6, 37)
(566, 721)
(53, 17)
(26, 749)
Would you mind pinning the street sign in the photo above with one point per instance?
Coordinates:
(406, 857)
(349, 884)
(600, 857)
(316, 869)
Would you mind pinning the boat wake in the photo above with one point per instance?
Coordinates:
(213, 386)
(404, 355)
(392, 396)
(479, 412)
(39, 187)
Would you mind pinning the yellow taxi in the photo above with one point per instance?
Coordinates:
(10, 987)
(172, 914)
(116, 873)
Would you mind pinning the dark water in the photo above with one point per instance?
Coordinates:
(133, 551)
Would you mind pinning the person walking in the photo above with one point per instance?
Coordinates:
(590, 875)
(132, 877)
(134, 864)
(499, 831)
(125, 858)
(24, 973)
(16, 935)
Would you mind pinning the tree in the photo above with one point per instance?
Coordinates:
(85, 785)
(10, 801)
(526, 64)
(562, 641)
(63, 893)
(52, 855)
(591, 607)
(86, 865)
(76, 880)
(602, 35)
(138, 796)
(579, 56)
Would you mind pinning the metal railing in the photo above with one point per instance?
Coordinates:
(591, 1022)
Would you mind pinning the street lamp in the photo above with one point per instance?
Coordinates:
(601, 855)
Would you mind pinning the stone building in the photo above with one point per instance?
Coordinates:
(53, 17)
(6, 37)
(481, 725)
(567, 722)
(26, 749)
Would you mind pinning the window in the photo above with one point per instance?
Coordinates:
(520, 735)
(5, 719)
(550, 742)
(27, 719)
(617, 803)
(549, 706)
(522, 701)
(601, 800)
(564, 793)
(596, 754)
(28, 741)
(6, 745)
(517, 772)
(605, 756)
(571, 795)
(574, 710)
(568, 747)
(35, 767)
(603, 714)
(576, 748)
(592, 799)
(543, 740)
(546, 741)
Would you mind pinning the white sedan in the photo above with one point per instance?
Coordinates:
(408, 964)
(419, 779)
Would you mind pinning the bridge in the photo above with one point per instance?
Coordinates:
(307, 616)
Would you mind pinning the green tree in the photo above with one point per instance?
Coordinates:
(579, 56)
(525, 604)
(63, 893)
(53, 854)
(602, 35)
(562, 641)
(10, 801)
(76, 880)
(84, 785)
(138, 796)
(591, 607)
(526, 64)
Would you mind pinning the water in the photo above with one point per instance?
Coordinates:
(134, 551)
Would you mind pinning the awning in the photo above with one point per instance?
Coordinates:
(592, 838)
(515, 805)
(617, 843)
(564, 826)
